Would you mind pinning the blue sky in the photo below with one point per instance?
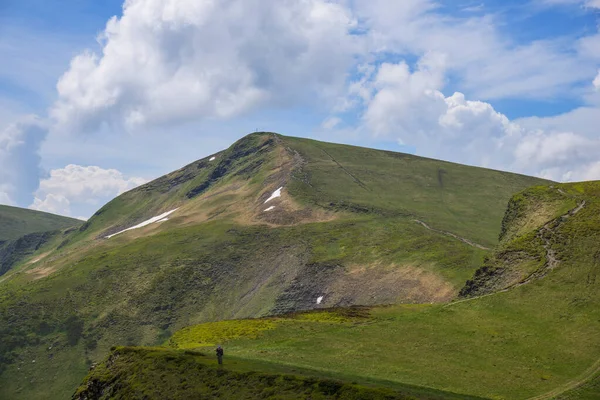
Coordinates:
(88, 110)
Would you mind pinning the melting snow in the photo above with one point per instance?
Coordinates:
(158, 218)
(275, 194)
(212, 159)
(319, 300)
(270, 208)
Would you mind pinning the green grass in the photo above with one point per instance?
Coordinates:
(16, 222)
(589, 390)
(467, 201)
(518, 344)
(493, 347)
(216, 259)
(132, 373)
(202, 281)
(211, 333)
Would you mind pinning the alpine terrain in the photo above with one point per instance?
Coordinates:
(23, 232)
(17, 222)
(325, 271)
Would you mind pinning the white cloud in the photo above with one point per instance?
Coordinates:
(583, 120)
(331, 123)
(542, 150)
(576, 134)
(170, 60)
(486, 62)
(583, 3)
(4, 197)
(596, 81)
(20, 160)
(55, 204)
(164, 62)
(410, 107)
(85, 187)
(402, 101)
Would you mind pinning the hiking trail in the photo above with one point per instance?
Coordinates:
(545, 233)
(462, 239)
(574, 384)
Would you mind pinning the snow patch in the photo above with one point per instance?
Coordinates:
(158, 218)
(275, 194)
(270, 208)
(319, 299)
(212, 159)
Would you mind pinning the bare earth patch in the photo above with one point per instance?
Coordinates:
(378, 284)
(39, 258)
(40, 272)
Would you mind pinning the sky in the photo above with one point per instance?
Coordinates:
(97, 98)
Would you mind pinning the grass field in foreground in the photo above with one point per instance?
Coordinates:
(501, 346)
(151, 373)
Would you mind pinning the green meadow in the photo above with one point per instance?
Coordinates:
(451, 263)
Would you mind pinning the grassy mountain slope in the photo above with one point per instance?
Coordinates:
(17, 222)
(24, 233)
(135, 373)
(533, 333)
(467, 201)
(345, 230)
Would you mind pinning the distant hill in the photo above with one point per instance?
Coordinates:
(16, 222)
(271, 225)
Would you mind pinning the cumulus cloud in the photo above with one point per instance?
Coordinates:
(409, 106)
(576, 162)
(487, 63)
(167, 61)
(556, 149)
(164, 62)
(170, 60)
(20, 160)
(596, 81)
(53, 203)
(81, 187)
(402, 101)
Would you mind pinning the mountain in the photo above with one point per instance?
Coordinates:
(17, 222)
(526, 326)
(269, 226)
(24, 232)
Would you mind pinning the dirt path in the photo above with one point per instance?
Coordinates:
(467, 241)
(551, 262)
(581, 379)
(545, 233)
(356, 180)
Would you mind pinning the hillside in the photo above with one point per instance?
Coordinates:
(527, 328)
(268, 226)
(133, 373)
(17, 222)
(24, 232)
